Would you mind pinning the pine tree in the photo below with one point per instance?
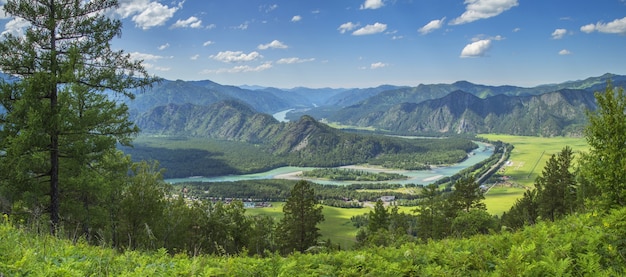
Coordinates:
(467, 195)
(58, 118)
(378, 218)
(556, 192)
(302, 212)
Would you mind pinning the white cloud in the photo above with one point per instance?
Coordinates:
(207, 43)
(617, 26)
(211, 26)
(378, 65)
(235, 56)
(481, 9)
(565, 52)
(241, 69)
(146, 14)
(559, 33)
(296, 18)
(3, 14)
(370, 29)
(274, 44)
(476, 49)
(146, 57)
(191, 22)
(194, 57)
(588, 28)
(372, 4)
(431, 26)
(242, 26)
(294, 60)
(517, 30)
(268, 8)
(346, 27)
(164, 46)
(16, 27)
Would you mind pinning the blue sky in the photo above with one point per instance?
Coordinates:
(366, 43)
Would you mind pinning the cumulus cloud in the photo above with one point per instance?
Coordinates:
(378, 65)
(275, 44)
(481, 9)
(565, 52)
(559, 33)
(146, 14)
(293, 60)
(617, 26)
(431, 26)
(372, 4)
(235, 56)
(476, 49)
(207, 43)
(346, 27)
(194, 57)
(241, 69)
(16, 27)
(164, 46)
(191, 22)
(296, 18)
(370, 29)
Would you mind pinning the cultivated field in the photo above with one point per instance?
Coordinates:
(527, 161)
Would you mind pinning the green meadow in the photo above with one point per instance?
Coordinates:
(527, 161)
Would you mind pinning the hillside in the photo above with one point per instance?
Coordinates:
(581, 245)
(305, 142)
(550, 114)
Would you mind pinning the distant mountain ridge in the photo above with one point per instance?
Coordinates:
(436, 109)
(550, 114)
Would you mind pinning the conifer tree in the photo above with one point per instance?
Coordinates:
(556, 190)
(58, 116)
(302, 212)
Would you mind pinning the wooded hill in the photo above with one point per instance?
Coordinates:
(305, 142)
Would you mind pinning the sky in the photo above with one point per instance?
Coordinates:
(367, 43)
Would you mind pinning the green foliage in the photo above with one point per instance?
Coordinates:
(581, 245)
(556, 187)
(298, 228)
(59, 121)
(606, 135)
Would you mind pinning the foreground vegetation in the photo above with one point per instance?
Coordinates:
(588, 244)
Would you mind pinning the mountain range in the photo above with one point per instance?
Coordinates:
(208, 109)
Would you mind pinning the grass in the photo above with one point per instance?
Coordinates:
(527, 161)
(336, 225)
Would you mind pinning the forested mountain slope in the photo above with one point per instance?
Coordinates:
(556, 113)
(302, 142)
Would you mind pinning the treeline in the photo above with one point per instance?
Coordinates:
(343, 174)
(276, 190)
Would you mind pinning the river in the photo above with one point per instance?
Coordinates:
(423, 177)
